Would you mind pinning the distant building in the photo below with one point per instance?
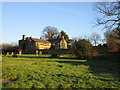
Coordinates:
(59, 43)
(30, 44)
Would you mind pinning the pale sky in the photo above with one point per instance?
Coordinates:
(30, 18)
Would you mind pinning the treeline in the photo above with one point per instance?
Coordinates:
(82, 48)
(91, 46)
(12, 47)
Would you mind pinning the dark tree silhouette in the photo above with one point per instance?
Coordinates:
(50, 32)
(62, 33)
(110, 12)
(95, 37)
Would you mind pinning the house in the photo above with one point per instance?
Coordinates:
(59, 43)
(30, 44)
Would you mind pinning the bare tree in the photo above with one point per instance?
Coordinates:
(110, 12)
(95, 37)
(50, 32)
(103, 41)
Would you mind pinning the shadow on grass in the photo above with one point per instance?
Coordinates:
(97, 66)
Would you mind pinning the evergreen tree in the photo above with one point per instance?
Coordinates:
(62, 33)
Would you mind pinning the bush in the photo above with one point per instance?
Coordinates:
(54, 55)
(82, 49)
(105, 45)
(112, 39)
(95, 53)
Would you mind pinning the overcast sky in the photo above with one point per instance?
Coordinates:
(30, 18)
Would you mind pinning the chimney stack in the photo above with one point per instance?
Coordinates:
(31, 36)
(24, 37)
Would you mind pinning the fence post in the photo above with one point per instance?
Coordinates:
(36, 52)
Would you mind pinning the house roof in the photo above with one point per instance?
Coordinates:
(55, 40)
(39, 40)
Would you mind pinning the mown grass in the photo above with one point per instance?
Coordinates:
(31, 71)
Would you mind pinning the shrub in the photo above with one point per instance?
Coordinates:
(95, 53)
(113, 46)
(104, 45)
(112, 39)
(82, 49)
(54, 55)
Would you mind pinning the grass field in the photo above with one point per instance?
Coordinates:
(31, 71)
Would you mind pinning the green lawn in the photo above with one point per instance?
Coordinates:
(31, 71)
